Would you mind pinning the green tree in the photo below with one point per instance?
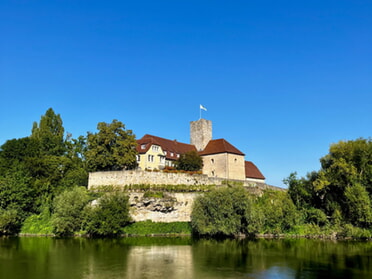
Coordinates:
(68, 211)
(347, 165)
(280, 213)
(190, 161)
(358, 204)
(109, 216)
(16, 201)
(112, 148)
(15, 154)
(50, 133)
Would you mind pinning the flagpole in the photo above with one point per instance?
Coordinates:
(200, 112)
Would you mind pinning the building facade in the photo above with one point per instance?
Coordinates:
(220, 158)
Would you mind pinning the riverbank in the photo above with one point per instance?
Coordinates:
(184, 229)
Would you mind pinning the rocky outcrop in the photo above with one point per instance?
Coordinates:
(171, 207)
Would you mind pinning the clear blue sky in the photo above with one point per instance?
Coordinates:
(281, 80)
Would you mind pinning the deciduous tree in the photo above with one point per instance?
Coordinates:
(112, 148)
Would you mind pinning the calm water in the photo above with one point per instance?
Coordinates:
(38, 258)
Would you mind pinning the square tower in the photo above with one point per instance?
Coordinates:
(200, 133)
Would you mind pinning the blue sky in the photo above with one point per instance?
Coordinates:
(281, 80)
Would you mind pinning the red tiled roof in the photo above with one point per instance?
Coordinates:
(170, 146)
(220, 146)
(251, 171)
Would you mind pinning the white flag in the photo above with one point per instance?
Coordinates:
(201, 107)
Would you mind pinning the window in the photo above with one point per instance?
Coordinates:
(212, 161)
(165, 152)
(155, 148)
(138, 158)
(150, 158)
(172, 154)
(143, 146)
(178, 155)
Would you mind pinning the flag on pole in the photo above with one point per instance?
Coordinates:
(203, 108)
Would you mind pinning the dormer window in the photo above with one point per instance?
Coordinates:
(165, 152)
(143, 146)
(155, 148)
(172, 154)
(178, 155)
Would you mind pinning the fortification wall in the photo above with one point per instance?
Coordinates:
(172, 207)
(122, 178)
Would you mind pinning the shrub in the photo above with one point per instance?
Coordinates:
(10, 221)
(316, 216)
(109, 216)
(279, 212)
(224, 211)
(38, 223)
(68, 208)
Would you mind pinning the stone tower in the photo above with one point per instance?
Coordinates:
(200, 133)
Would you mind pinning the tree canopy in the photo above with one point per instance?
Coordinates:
(111, 148)
(343, 185)
(190, 161)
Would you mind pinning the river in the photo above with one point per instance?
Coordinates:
(152, 258)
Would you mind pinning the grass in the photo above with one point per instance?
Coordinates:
(152, 228)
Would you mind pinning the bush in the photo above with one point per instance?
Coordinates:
(38, 223)
(316, 216)
(221, 212)
(109, 216)
(10, 222)
(279, 212)
(68, 211)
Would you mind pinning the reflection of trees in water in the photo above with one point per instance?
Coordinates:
(182, 258)
(298, 258)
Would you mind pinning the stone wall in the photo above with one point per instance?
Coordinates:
(172, 207)
(137, 177)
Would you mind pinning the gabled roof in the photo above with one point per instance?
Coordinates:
(170, 146)
(251, 171)
(220, 146)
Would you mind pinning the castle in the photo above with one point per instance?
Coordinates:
(221, 161)
(220, 158)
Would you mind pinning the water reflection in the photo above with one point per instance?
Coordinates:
(160, 262)
(182, 258)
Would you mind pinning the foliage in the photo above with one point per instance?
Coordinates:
(359, 210)
(221, 212)
(49, 133)
(109, 215)
(38, 223)
(152, 228)
(316, 216)
(16, 193)
(341, 189)
(10, 221)
(279, 212)
(112, 148)
(68, 211)
(189, 161)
